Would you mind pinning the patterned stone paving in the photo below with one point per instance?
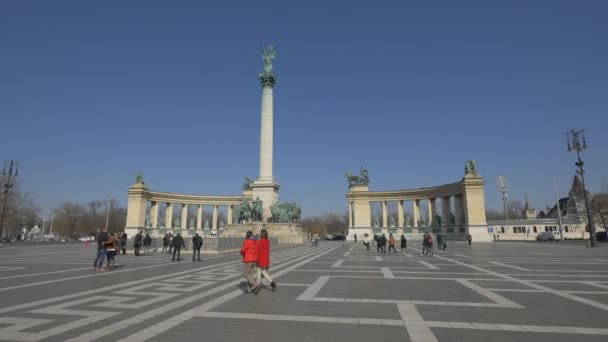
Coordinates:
(337, 291)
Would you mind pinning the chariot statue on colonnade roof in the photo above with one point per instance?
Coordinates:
(362, 179)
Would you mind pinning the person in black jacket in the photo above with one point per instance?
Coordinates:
(102, 237)
(197, 243)
(147, 244)
(383, 242)
(178, 243)
(137, 242)
(165, 243)
(123, 241)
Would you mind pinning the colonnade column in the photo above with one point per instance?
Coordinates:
(350, 214)
(431, 211)
(199, 217)
(384, 215)
(416, 213)
(154, 213)
(184, 218)
(400, 215)
(214, 226)
(457, 209)
(169, 216)
(229, 218)
(446, 210)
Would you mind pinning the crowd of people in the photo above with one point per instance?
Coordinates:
(110, 245)
(427, 242)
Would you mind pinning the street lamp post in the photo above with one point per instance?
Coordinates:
(8, 180)
(574, 144)
(501, 181)
(107, 212)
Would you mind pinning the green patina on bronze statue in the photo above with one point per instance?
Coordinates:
(470, 166)
(257, 210)
(139, 177)
(247, 183)
(288, 212)
(362, 179)
(267, 78)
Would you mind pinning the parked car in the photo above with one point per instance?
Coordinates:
(601, 236)
(86, 238)
(545, 236)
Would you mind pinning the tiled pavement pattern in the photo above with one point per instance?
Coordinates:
(334, 292)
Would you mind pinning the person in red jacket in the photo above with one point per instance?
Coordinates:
(249, 251)
(264, 258)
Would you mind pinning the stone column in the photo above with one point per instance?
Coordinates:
(446, 210)
(400, 214)
(474, 207)
(350, 214)
(230, 214)
(169, 216)
(184, 217)
(154, 213)
(416, 213)
(199, 217)
(266, 136)
(265, 188)
(136, 208)
(431, 210)
(457, 215)
(384, 215)
(363, 216)
(214, 224)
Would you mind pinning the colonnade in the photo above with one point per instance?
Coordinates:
(451, 208)
(145, 210)
(452, 212)
(169, 223)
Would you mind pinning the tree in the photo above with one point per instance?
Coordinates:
(492, 214)
(515, 210)
(326, 224)
(599, 209)
(68, 218)
(22, 210)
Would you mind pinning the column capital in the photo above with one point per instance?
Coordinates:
(267, 79)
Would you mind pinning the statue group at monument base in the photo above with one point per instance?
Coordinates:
(286, 233)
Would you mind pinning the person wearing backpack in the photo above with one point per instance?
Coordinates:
(249, 251)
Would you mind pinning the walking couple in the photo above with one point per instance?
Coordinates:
(256, 260)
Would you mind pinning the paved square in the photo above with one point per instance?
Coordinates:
(338, 291)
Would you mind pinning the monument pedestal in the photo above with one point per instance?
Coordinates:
(285, 232)
(268, 192)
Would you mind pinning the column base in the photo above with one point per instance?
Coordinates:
(268, 192)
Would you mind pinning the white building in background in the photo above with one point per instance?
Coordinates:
(573, 213)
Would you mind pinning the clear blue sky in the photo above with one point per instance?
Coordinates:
(92, 92)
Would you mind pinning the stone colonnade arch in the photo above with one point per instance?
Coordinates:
(462, 210)
(144, 211)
